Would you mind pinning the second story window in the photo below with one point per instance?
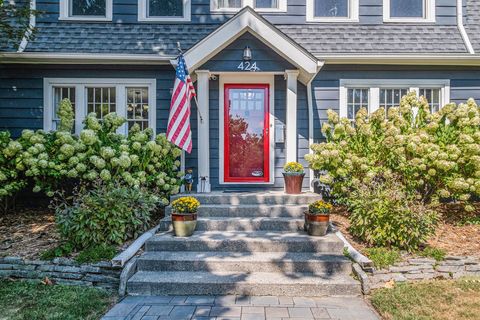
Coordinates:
(332, 10)
(409, 10)
(259, 5)
(164, 10)
(89, 10)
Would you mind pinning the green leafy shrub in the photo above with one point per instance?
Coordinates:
(62, 250)
(431, 252)
(9, 178)
(383, 214)
(383, 257)
(104, 214)
(98, 253)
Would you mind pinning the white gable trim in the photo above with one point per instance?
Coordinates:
(248, 21)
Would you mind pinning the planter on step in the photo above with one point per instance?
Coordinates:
(317, 218)
(184, 216)
(293, 175)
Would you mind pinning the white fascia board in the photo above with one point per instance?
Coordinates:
(65, 58)
(245, 21)
(402, 59)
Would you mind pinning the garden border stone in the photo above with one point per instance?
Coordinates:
(62, 271)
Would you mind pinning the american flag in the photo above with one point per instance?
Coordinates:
(178, 130)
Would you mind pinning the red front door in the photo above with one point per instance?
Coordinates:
(246, 134)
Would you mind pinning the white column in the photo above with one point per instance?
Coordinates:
(203, 142)
(291, 117)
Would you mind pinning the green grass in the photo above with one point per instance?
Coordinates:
(383, 257)
(36, 301)
(431, 252)
(430, 300)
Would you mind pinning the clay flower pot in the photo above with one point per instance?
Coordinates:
(316, 224)
(184, 224)
(293, 183)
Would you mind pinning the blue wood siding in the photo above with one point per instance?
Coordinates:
(464, 84)
(21, 90)
(370, 12)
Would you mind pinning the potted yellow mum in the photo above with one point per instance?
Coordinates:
(293, 174)
(317, 218)
(184, 216)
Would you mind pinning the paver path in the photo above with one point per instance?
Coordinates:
(239, 308)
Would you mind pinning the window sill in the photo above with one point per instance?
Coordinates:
(164, 19)
(86, 19)
(259, 10)
(332, 20)
(409, 20)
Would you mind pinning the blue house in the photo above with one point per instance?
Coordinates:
(265, 71)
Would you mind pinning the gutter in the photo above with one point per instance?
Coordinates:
(461, 27)
(28, 33)
(320, 65)
(83, 58)
(403, 59)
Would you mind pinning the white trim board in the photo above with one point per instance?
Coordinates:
(429, 13)
(144, 17)
(282, 7)
(80, 84)
(374, 86)
(353, 13)
(250, 78)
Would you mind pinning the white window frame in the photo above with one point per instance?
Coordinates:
(429, 13)
(65, 12)
(143, 14)
(282, 7)
(353, 8)
(376, 84)
(81, 98)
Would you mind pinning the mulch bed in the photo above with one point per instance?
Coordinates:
(455, 239)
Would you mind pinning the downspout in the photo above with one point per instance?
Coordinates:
(310, 117)
(32, 23)
(461, 27)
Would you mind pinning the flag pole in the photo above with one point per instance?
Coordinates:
(179, 48)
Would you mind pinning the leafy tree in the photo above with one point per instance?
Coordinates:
(15, 23)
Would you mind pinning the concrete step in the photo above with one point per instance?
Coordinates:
(266, 198)
(242, 224)
(240, 241)
(249, 210)
(239, 283)
(320, 263)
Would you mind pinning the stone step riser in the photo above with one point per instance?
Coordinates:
(319, 267)
(214, 211)
(263, 289)
(227, 199)
(244, 246)
(245, 225)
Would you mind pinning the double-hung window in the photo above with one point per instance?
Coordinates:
(164, 10)
(88, 10)
(332, 10)
(387, 93)
(409, 10)
(259, 5)
(133, 99)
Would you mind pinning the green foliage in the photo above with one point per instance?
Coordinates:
(383, 257)
(383, 214)
(15, 22)
(99, 153)
(66, 115)
(104, 214)
(430, 157)
(98, 253)
(431, 252)
(470, 221)
(62, 250)
(22, 300)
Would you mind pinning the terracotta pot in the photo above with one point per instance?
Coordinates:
(184, 224)
(316, 224)
(293, 183)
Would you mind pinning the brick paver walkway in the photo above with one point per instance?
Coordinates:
(240, 308)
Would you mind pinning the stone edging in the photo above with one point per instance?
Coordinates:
(62, 271)
(414, 269)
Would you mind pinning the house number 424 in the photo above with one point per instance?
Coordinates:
(248, 66)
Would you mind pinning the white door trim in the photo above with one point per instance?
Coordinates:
(253, 78)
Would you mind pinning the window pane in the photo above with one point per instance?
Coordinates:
(137, 107)
(407, 8)
(165, 8)
(88, 8)
(266, 3)
(101, 101)
(391, 97)
(433, 96)
(331, 8)
(356, 99)
(222, 4)
(60, 93)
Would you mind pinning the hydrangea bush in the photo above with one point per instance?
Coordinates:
(9, 179)
(434, 157)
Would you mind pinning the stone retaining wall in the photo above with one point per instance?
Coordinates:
(414, 269)
(62, 271)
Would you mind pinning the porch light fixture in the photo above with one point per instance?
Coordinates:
(247, 54)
